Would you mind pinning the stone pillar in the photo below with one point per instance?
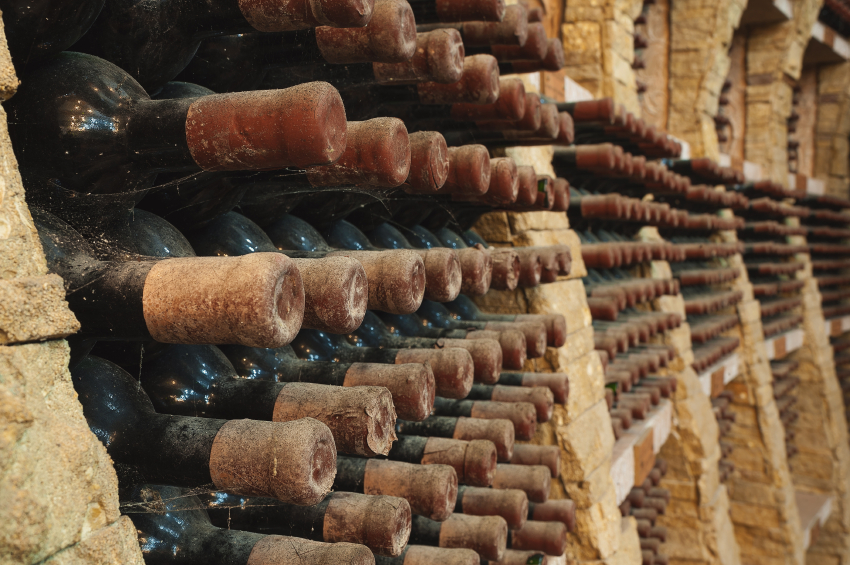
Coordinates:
(832, 129)
(57, 484)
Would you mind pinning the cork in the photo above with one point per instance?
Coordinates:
(277, 550)
(273, 15)
(377, 155)
(522, 414)
(523, 557)
(473, 461)
(561, 192)
(512, 30)
(486, 356)
(541, 397)
(534, 480)
(362, 418)
(601, 157)
(293, 462)
(389, 37)
(549, 537)
(479, 84)
(526, 185)
(443, 276)
(429, 163)
(453, 368)
(336, 293)
(528, 123)
(470, 10)
(556, 326)
(381, 523)
(506, 268)
(504, 181)
(550, 123)
(534, 49)
(512, 505)
(431, 490)
(255, 300)
(500, 432)
(267, 129)
(411, 385)
(396, 278)
(558, 383)
(426, 555)
(512, 343)
(563, 511)
(469, 170)
(476, 267)
(438, 58)
(601, 110)
(530, 267)
(566, 130)
(509, 106)
(546, 455)
(486, 535)
(555, 58)
(532, 119)
(534, 332)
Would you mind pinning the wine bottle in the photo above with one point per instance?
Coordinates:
(251, 61)
(381, 523)
(34, 33)
(291, 461)
(500, 432)
(426, 555)
(157, 42)
(523, 415)
(486, 535)
(512, 505)
(556, 326)
(452, 367)
(534, 331)
(548, 537)
(431, 490)
(198, 380)
(431, 11)
(473, 461)
(411, 384)
(479, 84)
(102, 133)
(396, 278)
(174, 529)
(257, 300)
(511, 29)
(558, 383)
(534, 480)
(533, 49)
(282, 62)
(512, 342)
(486, 353)
(547, 455)
(443, 275)
(563, 511)
(541, 397)
(554, 60)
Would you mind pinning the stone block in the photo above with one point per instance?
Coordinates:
(598, 530)
(34, 309)
(629, 551)
(586, 442)
(591, 488)
(536, 221)
(564, 297)
(115, 543)
(494, 227)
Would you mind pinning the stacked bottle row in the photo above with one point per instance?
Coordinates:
(725, 418)
(645, 502)
(354, 406)
(784, 392)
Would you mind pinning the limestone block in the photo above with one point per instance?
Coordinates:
(34, 309)
(749, 311)
(115, 543)
(536, 221)
(597, 532)
(672, 304)
(503, 301)
(582, 42)
(593, 487)
(563, 297)
(578, 344)
(587, 384)
(57, 481)
(494, 227)
(586, 442)
(629, 551)
(725, 546)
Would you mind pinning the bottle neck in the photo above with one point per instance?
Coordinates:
(156, 133)
(267, 515)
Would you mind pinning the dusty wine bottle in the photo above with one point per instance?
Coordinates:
(523, 415)
(510, 504)
(411, 384)
(381, 523)
(487, 535)
(290, 461)
(500, 432)
(473, 461)
(173, 529)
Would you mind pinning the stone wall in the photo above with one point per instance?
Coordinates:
(832, 129)
(58, 489)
